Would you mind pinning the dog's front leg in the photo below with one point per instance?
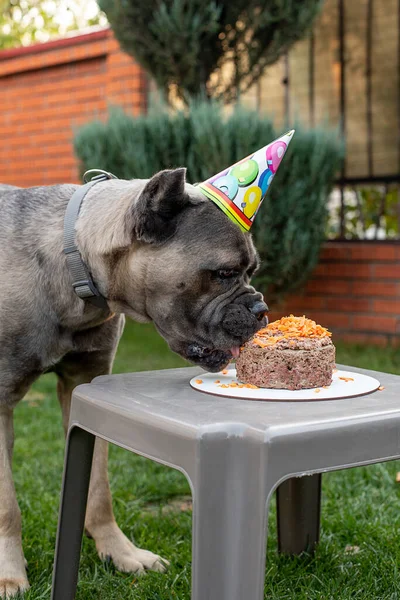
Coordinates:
(100, 523)
(12, 563)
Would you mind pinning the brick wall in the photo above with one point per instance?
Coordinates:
(48, 90)
(354, 291)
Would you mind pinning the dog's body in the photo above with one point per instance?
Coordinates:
(158, 251)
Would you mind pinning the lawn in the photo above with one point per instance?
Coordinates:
(361, 507)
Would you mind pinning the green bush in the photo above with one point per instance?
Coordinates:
(290, 226)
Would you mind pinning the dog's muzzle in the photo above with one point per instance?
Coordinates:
(240, 321)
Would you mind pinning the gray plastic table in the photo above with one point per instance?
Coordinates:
(235, 453)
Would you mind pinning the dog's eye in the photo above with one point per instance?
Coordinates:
(227, 273)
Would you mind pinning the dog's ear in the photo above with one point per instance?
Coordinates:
(156, 211)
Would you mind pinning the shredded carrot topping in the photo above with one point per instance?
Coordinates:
(198, 381)
(289, 327)
(346, 379)
(225, 372)
(234, 384)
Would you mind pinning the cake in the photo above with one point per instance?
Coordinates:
(293, 353)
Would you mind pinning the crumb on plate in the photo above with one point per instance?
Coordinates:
(235, 384)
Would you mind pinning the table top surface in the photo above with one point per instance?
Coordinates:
(167, 395)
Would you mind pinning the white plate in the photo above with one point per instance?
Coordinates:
(360, 385)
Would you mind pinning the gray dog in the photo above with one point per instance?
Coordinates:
(158, 251)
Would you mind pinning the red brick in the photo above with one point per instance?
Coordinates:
(387, 306)
(348, 304)
(49, 113)
(319, 271)
(391, 271)
(112, 45)
(61, 95)
(87, 94)
(52, 163)
(335, 251)
(67, 83)
(373, 251)
(329, 319)
(62, 138)
(374, 323)
(372, 288)
(342, 271)
(48, 59)
(364, 338)
(302, 303)
(122, 71)
(328, 287)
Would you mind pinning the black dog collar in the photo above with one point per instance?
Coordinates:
(83, 284)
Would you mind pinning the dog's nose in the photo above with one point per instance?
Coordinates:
(259, 310)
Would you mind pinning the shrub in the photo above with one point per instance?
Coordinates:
(290, 226)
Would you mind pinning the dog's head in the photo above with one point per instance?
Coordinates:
(189, 271)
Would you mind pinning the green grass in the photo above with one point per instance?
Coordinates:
(361, 507)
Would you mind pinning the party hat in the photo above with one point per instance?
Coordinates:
(240, 189)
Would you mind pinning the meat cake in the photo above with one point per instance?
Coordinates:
(293, 353)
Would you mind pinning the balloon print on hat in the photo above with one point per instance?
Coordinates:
(245, 172)
(228, 185)
(252, 199)
(265, 180)
(275, 152)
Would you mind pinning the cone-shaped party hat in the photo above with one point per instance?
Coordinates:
(240, 189)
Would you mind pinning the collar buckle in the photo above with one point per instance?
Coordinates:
(90, 175)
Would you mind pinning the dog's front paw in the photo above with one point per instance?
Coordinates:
(138, 561)
(13, 579)
(113, 545)
(10, 588)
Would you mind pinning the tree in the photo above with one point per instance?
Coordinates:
(215, 48)
(25, 22)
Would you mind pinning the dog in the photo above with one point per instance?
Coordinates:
(157, 250)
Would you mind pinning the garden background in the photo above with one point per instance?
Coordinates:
(342, 77)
